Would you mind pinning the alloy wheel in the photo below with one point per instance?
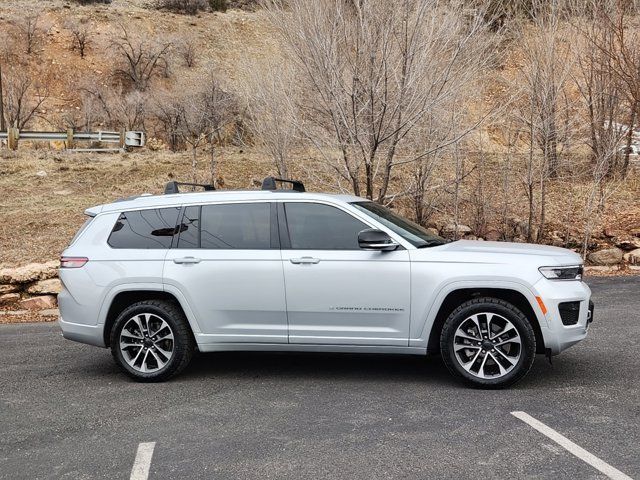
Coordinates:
(487, 345)
(146, 342)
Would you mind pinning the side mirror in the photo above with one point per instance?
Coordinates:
(373, 239)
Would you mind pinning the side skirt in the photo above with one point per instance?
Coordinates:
(297, 347)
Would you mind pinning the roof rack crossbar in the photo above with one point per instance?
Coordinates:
(172, 187)
(269, 183)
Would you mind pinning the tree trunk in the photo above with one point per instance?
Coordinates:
(194, 163)
(627, 152)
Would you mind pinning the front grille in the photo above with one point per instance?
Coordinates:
(569, 312)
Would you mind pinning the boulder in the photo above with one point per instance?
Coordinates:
(29, 273)
(8, 288)
(493, 236)
(628, 243)
(9, 298)
(43, 287)
(451, 229)
(608, 256)
(51, 312)
(633, 257)
(45, 302)
(635, 232)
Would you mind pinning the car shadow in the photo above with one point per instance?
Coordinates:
(319, 366)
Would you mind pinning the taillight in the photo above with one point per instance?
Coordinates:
(73, 262)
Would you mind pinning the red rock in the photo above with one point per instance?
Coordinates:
(43, 302)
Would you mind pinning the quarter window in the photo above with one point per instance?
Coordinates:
(313, 226)
(145, 229)
(236, 225)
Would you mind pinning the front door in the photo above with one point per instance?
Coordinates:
(227, 264)
(336, 292)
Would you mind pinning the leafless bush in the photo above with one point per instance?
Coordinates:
(187, 48)
(190, 7)
(30, 30)
(141, 59)
(81, 35)
(23, 96)
(206, 111)
(270, 104)
(168, 110)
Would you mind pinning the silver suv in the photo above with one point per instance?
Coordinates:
(157, 277)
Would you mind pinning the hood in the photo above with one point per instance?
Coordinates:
(559, 256)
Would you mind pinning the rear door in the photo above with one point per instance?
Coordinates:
(336, 292)
(227, 264)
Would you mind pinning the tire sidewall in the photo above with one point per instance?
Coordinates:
(179, 344)
(511, 313)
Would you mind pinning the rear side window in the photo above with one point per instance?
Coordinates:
(313, 226)
(235, 226)
(145, 229)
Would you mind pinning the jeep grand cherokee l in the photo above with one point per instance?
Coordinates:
(155, 278)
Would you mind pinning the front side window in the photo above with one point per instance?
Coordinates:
(145, 229)
(313, 226)
(236, 226)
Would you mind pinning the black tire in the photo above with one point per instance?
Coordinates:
(183, 342)
(510, 313)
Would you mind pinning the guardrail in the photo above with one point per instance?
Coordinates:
(122, 139)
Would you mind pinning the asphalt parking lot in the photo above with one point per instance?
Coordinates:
(67, 412)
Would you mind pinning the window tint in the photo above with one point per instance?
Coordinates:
(190, 228)
(145, 229)
(236, 225)
(321, 227)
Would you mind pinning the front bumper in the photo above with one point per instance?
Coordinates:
(557, 336)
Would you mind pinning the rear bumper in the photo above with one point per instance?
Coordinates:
(557, 336)
(78, 332)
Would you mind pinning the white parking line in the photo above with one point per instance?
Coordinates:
(576, 450)
(142, 463)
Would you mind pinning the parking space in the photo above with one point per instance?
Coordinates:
(66, 412)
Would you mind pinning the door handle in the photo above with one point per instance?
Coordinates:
(305, 260)
(186, 260)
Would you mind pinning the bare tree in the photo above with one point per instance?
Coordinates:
(82, 33)
(23, 97)
(618, 52)
(29, 26)
(373, 69)
(206, 111)
(141, 58)
(545, 112)
(270, 103)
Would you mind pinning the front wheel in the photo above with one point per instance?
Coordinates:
(151, 340)
(488, 342)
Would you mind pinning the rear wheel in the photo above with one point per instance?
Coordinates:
(488, 342)
(151, 340)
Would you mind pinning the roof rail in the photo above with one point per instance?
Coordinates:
(269, 183)
(172, 187)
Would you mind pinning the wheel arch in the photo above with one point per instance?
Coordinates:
(456, 297)
(124, 298)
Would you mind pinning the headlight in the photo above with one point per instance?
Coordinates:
(573, 272)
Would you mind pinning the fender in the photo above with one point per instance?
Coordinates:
(454, 285)
(158, 287)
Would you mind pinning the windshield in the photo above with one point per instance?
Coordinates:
(412, 232)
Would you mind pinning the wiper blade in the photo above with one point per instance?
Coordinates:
(432, 243)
